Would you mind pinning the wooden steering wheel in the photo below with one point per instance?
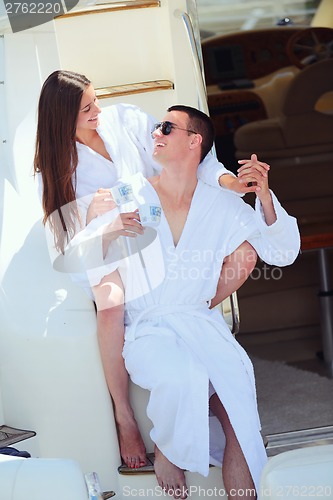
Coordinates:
(309, 46)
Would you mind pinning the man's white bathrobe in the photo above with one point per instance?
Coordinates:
(126, 133)
(175, 345)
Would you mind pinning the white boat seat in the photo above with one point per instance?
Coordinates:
(39, 478)
(305, 472)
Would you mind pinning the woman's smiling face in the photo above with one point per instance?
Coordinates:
(88, 118)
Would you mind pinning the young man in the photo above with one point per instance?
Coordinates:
(175, 345)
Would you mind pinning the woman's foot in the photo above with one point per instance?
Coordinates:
(170, 477)
(132, 447)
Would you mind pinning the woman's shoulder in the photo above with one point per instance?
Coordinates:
(120, 110)
(127, 118)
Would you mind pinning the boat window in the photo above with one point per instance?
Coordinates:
(217, 17)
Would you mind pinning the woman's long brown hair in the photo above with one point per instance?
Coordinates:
(56, 155)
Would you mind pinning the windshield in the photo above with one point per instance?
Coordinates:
(218, 17)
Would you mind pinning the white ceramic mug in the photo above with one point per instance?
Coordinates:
(150, 215)
(123, 193)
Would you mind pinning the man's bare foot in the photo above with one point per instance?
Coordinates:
(132, 447)
(170, 477)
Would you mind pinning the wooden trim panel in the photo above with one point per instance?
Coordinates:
(133, 88)
(112, 7)
(316, 241)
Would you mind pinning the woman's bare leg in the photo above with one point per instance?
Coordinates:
(109, 297)
(235, 471)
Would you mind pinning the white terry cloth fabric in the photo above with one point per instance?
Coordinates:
(175, 345)
(176, 352)
(126, 133)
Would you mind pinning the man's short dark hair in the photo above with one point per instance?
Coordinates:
(201, 124)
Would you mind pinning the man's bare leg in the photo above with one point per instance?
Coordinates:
(170, 477)
(110, 330)
(235, 471)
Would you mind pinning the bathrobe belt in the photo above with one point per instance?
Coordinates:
(157, 310)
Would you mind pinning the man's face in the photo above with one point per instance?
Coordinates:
(172, 146)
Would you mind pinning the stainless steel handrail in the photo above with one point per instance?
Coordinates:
(199, 73)
(203, 106)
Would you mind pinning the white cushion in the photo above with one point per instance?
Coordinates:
(39, 478)
(305, 472)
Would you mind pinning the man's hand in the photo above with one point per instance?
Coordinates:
(256, 172)
(250, 176)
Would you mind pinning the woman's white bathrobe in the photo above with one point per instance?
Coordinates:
(175, 345)
(126, 133)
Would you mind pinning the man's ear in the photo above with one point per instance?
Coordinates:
(196, 141)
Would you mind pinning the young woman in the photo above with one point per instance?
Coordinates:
(80, 154)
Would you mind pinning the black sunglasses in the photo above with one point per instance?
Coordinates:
(166, 127)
